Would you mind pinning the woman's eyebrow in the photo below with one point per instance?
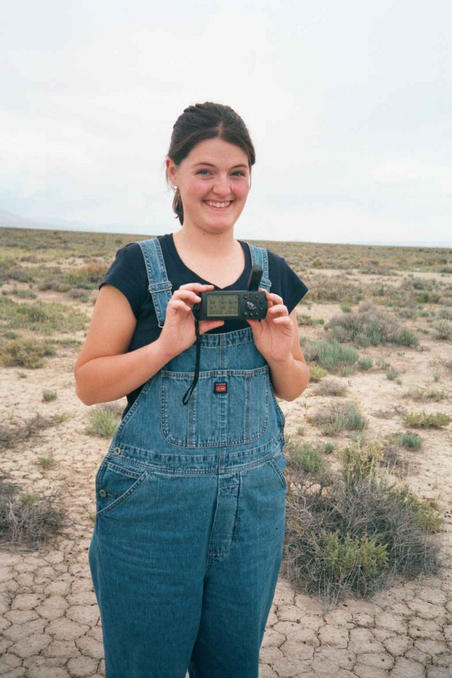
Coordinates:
(209, 164)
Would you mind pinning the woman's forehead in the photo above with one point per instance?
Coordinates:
(217, 152)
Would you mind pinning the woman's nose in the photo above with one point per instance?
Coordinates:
(222, 186)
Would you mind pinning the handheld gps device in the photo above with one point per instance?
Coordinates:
(234, 304)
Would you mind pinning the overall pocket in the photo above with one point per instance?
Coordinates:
(227, 407)
(115, 484)
(278, 464)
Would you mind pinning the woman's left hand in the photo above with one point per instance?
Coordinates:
(273, 335)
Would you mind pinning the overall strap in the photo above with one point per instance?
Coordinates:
(259, 257)
(159, 285)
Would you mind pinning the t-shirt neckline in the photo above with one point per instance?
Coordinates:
(203, 280)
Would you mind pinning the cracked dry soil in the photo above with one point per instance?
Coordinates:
(49, 619)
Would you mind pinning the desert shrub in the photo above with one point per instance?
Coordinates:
(334, 288)
(443, 330)
(303, 319)
(332, 387)
(424, 394)
(410, 441)
(77, 293)
(335, 417)
(46, 462)
(28, 519)
(305, 456)
(365, 364)
(13, 432)
(87, 276)
(42, 317)
(103, 422)
(25, 353)
(358, 557)
(424, 511)
(445, 314)
(391, 373)
(426, 419)
(316, 373)
(370, 326)
(330, 354)
(24, 294)
(48, 396)
(354, 537)
(360, 461)
(10, 270)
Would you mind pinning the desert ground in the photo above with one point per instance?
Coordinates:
(51, 447)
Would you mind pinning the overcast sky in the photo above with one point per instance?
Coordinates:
(349, 105)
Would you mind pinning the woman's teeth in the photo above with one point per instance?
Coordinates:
(211, 203)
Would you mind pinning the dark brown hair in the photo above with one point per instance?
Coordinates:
(206, 121)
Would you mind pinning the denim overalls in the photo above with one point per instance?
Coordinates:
(190, 499)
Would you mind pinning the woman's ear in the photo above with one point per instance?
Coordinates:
(170, 170)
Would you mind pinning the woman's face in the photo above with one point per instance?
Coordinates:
(214, 180)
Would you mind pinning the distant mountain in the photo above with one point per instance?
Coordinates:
(10, 220)
(408, 243)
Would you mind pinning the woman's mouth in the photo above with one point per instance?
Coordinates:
(218, 204)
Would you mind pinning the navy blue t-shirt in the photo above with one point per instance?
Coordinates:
(128, 274)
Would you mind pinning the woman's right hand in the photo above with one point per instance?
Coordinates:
(178, 332)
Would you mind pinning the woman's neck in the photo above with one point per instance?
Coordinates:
(215, 245)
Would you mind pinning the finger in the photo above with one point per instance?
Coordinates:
(275, 298)
(178, 304)
(201, 287)
(278, 309)
(187, 295)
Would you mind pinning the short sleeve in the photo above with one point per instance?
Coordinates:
(285, 282)
(128, 274)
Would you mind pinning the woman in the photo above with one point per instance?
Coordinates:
(190, 497)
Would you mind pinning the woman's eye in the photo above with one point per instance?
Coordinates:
(239, 173)
(203, 171)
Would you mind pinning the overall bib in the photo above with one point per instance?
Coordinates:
(190, 499)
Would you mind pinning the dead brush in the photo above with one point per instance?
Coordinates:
(27, 520)
(15, 432)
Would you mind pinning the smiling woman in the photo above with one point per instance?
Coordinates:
(211, 188)
(190, 497)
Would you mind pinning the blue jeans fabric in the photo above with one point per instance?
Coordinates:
(190, 499)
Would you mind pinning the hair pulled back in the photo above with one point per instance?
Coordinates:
(206, 121)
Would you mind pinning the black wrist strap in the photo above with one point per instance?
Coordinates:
(191, 388)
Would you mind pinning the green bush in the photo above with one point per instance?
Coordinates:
(354, 537)
(411, 441)
(48, 396)
(25, 353)
(42, 317)
(426, 419)
(350, 559)
(370, 326)
(336, 417)
(330, 354)
(360, 461)
(103, 422)
(306, 457)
